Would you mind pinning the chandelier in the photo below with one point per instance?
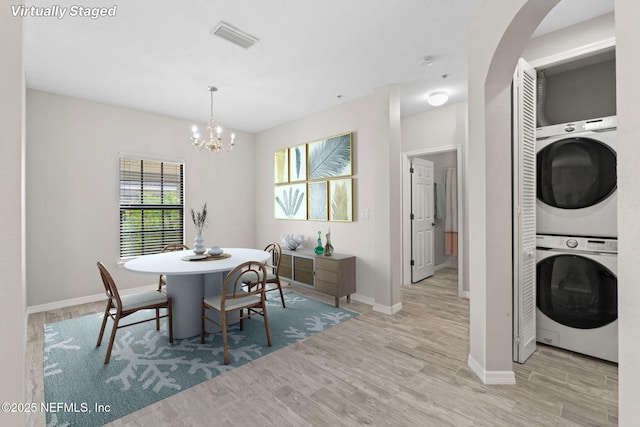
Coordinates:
(214, 141)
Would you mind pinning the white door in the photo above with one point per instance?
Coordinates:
(524, 212)
(422, 220)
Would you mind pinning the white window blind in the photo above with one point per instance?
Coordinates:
(151, 205)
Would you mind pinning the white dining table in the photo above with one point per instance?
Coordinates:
(190, 281)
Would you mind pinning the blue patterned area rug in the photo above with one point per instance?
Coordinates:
(80, 390)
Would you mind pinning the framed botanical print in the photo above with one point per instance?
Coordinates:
(281, 166)
(317, 200)
(290, 201)
(330, 157)
(341, 200)
(298, 163)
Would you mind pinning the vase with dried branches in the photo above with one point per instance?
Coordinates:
(199, 219)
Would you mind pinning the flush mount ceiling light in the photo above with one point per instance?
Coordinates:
(214, 141)
(438, 98)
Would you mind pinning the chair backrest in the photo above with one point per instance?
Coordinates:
(276, 253)
(250, 271)
(110, 287)
(175, 247)
(171, 247)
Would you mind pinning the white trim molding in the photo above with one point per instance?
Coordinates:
(363, 299)
(80, 300)
(386, 309)
(574, 54)
(491, 377)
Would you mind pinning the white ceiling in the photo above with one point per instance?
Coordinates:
(158, 55)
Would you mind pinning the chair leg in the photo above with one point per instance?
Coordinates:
(248, 310)
(104, 323)
(266, 324)
(170, 320)
(112, 339)
(202, 322)
(281, 294)
(225, 343)
(157, 319)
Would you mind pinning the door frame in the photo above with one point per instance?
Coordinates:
(406, 212)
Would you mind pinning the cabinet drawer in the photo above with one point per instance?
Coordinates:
(285, 266)
(303, 270)
(327, 276)
(326, 287)
(326, 264)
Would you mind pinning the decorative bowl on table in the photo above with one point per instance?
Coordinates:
(291, 241)
(215, 250)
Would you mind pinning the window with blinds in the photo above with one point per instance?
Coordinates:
(151, 205)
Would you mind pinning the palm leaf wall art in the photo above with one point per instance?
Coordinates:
(290, 201)
(281, 166)
(330, 157)
(318, 206)
(298, 163)
(341, 195)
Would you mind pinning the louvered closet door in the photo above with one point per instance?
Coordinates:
(524, 212)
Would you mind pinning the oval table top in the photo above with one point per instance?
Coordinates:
(171, 263)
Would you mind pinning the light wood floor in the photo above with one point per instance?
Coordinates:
(409, 369)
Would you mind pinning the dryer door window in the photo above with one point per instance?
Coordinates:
(576, 291)
(575, 173)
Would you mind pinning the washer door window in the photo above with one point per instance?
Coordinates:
(575, 173)
(576, 291)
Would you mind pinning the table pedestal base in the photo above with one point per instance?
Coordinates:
(186, 292)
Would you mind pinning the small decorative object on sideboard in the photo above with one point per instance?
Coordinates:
(328, 248)
(200, 221)
(319, 249)
(291, 241)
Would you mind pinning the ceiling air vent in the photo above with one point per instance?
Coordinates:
(234, 35)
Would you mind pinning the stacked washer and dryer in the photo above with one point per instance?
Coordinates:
(576, 274)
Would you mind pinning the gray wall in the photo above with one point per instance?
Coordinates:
(72, 190)
(583, 93)
(12, 282)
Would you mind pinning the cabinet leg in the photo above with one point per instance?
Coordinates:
(337, 302)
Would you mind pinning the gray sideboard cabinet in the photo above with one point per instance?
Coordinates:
(334, 275)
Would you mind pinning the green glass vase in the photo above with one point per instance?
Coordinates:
(319, 249)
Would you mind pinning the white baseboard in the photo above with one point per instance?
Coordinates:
(80, 300)
(363, 299)
(491, 377)
(440, 266)
(386, 309)
(102, 297)
(377, 307)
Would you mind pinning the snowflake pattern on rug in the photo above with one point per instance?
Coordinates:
(145, 367)
(51, 345)
(152, 367)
